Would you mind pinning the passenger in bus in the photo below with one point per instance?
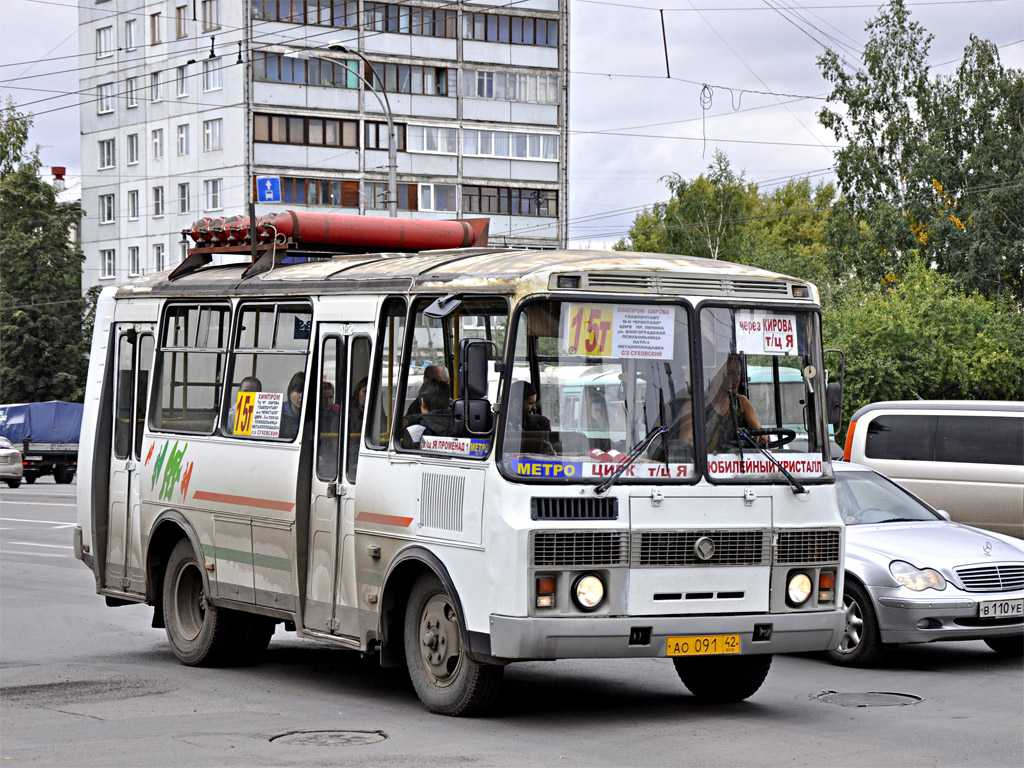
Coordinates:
(330, 411)
(248, 384)
(292, 408)
(727, 409)
(356, 409)
(435, 413)
(432, 371)
(527, 431)
(676, 445)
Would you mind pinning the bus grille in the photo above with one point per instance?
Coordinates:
(991, 578)
(579, 548)
(574, 509)
(820, 546)
(442, 498)
(672, 548)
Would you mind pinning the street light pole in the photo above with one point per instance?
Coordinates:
(392, 137)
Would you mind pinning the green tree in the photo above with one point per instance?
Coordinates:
(919, 336)
(42, 312)
(929, 166)
(705, 217)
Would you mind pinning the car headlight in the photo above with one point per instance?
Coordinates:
(588, 591)
(917, 579)
(799, 589)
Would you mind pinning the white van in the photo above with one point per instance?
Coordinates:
(963, 456)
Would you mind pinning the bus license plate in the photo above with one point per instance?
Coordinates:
(998, 609)
(703, 645)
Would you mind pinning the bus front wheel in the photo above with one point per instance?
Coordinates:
(200, 633)
(723, 679)
(447, 681)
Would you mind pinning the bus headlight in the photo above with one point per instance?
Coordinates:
(799, 589)
(588, 591)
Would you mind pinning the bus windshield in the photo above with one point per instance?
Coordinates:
(591, 380)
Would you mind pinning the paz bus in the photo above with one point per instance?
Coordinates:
(244, 462)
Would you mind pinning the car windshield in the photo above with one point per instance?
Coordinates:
(866, 497)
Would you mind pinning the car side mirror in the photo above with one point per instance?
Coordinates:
(943, 514)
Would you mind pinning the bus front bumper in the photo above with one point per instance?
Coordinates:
(592, 637)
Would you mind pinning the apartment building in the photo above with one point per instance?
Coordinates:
(185, 103)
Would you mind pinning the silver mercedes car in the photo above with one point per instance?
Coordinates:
(912, 576)
(11, 469)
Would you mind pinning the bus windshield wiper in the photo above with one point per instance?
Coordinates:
(797, 487)
(631, 457)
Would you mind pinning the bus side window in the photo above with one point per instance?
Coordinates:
(359, 369)
(388, 364)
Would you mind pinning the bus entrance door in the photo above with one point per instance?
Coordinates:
(134, 359)
(330, 594)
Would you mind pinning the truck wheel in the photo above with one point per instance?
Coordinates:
(861, 645)
(13, 483)
(723, 679)
(62, 476)
(30, 479)
(199, 633)
(447, 681)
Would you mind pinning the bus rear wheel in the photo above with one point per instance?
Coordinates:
(723, 679)
(447, 681)
(199, 633)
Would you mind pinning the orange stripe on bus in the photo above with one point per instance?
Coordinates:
(373, 517)
(243, 501)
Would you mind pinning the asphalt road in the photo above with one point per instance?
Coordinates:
(86, 685)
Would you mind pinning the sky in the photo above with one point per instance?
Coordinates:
(639, 108)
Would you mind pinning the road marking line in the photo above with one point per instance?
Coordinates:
(31, 544)
(44, 504)
(41, 522)
(30, 554)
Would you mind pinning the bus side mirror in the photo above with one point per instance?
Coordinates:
(834, 404)
(473, 415)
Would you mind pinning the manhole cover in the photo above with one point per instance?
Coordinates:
(869, 699)
(330, 738)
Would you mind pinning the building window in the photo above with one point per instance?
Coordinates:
(156, 87)
(213, 79)
(131, 90)
(429, 138)
(181, 76)
(521, 146)
(211, 14)
(211, 188)
(133, 260)
(133, 203)
(133, 148)
(212, 134)
(331, 192)
(108, 156)
(183, 198)
(158, 201)
(158, 143)
(158, 257)
(183, 139)
(106, 209)
(375, 196)
(375, 136)
(277, 68)
(311, 131)
(414, 79)
(155, 22)
(510, 86)
(130, 41)
(104, 42)
(437, 197)
(181, 21)
(107, 262)
(510, 201)
(518, 30)
(105, 98)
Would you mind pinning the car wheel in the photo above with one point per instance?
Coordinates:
(723, 679)
(447, 681)
(200, 634)
(13, 483)
(860, 645)
(1006, 646)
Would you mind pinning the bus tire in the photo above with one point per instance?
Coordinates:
(200, 634)
(447, 681)
(723, 679)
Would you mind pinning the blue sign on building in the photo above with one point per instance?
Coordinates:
(268, 189)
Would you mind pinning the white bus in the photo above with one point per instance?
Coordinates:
(249, 458)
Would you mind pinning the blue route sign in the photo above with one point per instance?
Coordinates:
(268, 189)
